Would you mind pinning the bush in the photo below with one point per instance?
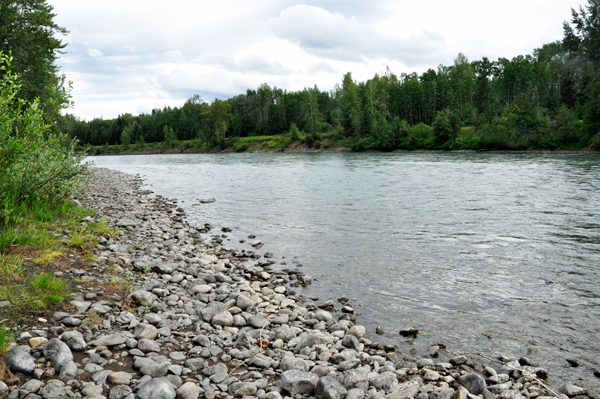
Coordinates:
(317, 145)
(33, 168)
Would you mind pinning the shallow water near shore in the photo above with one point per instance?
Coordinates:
(490, 253)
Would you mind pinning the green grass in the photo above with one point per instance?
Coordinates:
(6, 337)
(31, 248)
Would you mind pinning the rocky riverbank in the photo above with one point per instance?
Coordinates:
(201, 320)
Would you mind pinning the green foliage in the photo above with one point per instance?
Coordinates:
(442, 127)
(33, 168)
(28, 32)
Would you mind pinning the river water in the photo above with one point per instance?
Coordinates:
(489, 253)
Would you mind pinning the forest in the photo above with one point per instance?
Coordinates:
(547, 100)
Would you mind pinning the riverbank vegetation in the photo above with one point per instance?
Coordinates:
(41, 228)
(548, 100)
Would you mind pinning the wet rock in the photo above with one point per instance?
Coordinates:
(409, 332)
(19, 361)
(298, 382)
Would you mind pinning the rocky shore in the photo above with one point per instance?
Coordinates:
(202, 320)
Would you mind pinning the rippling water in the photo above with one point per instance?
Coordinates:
(496, 253)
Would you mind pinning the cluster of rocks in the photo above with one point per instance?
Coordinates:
(206, 321)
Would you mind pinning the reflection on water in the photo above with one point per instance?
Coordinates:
(497, 253)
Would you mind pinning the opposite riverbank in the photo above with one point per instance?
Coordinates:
(199, 319)
(283, 143)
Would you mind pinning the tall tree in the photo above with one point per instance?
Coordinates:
(29, 33)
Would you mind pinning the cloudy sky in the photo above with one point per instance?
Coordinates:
(133, 56)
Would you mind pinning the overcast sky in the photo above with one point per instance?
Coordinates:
(133, 56)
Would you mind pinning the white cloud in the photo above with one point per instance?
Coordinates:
(92, 52)
(153, 55)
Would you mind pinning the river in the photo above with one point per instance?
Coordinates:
(490, 253)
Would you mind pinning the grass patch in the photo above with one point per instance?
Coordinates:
(35, 245)
(6, 338)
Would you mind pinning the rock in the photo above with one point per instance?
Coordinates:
(351, 342)
(125, 222)
(223, 318)
(243, 302)
(189, 390)
(455, 361)
(355, 393)
(474, 383)
(329, 388)
(572, 390)
(431, 375)
(211, 310)
(109, 340)
(4, 390)
(157, 388)
(261, 361)
(499, 378)
(354, 379)
(384, 381)
(207, 200)
(201, 289)
(32, 386)
(141, 297)
(19, 361)
(497, 388)
(74, 340)
(37, 341)
(81, 306)
(409, 332)
(154, 369)
(406, 390)
(442, 393)
(119, 378)
(298, 382)
(257, 321)
(242, 389)
(71, 322)
(293, 363)
(56, 390)
(58, 353)
(148, 345)
(143, 330)
(120, 392)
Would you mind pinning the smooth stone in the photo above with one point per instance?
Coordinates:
(406, 390)
(238, 389)
(37, 341)
(143, 330)
(442, 393)
(120, 392)
(19, 361)
(109, 340)
(58, 353)
(119, 378)
(329, 388)
(56, 390)
(71, 321)
(298, 382)
(474, 383)
(189, 390)
(157, 388)
(81, 306)
(74, 340)
(572, 390)
(148, 345)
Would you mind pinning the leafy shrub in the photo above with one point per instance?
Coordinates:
(35, 165)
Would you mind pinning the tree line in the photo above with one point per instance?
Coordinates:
(550, 99)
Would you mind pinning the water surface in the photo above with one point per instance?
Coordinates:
(495, 253)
